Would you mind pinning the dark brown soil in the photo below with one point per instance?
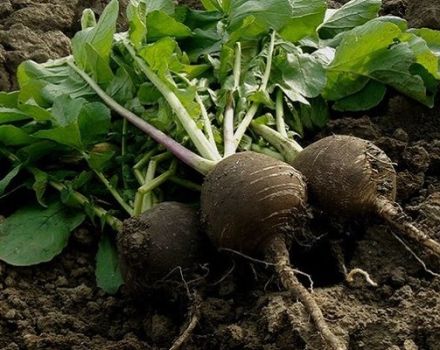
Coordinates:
(58, 306)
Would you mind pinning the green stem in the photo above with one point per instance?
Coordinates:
(185, 183)
(254, 107)
(267, 151)
(161, 157)
(144, 160)
(124, 150)
(287, 147)
(198, 138)
(114, 193)
(206, 122)
(158, 180)
(138, 202)
(281, 125)
(148, 198)
(139, 176)
(101, 213)
(193, 160)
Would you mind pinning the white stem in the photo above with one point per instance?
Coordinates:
(287, 147)
(237, 66)
(228, 123)
(228, 130)
(254, 107)
(266, 75)
(242, 127)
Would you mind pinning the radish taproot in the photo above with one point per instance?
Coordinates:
(349, 176)
(157, 242)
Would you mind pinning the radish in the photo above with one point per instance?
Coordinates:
(348, 176)
(154, 244)
(250, 202)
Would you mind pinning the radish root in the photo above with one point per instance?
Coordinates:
(277, 253)
(357, 271)
(194, 317)
(393, 214)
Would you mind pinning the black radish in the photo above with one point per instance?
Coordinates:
(349, 176)
(157, 242)
(252, 203)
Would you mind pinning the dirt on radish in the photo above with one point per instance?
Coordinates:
(57, 305)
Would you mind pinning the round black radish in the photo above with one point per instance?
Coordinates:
(160, 240)
(252, 204)
(345, 174)
(248, 199)
(349, 176)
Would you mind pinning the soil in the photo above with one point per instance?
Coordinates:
(58, 306)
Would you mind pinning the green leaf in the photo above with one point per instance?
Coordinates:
(148, 94)
(370, 96)
(299, 75)
(100, 160)
(66, 110)
(88, 19)
(205, 37)
(37, 150)
(307, 15)
(431, 37)
(9, 99)
(160, 25)
(159, 54)
(93, 122)
(136, 16)
(8, 115)
(36, 112)
(121, 88)
(211, 5)
(92, 46)
(315, 114)
(77, 122)
(108, 273)
(41, 84)
(424, 56)
(10, 135)
(8, 178)
(33, 235)
(166, 6)
(293, 19)
(373, 51)
(39, 186)
(67, 135)
(352, 14)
